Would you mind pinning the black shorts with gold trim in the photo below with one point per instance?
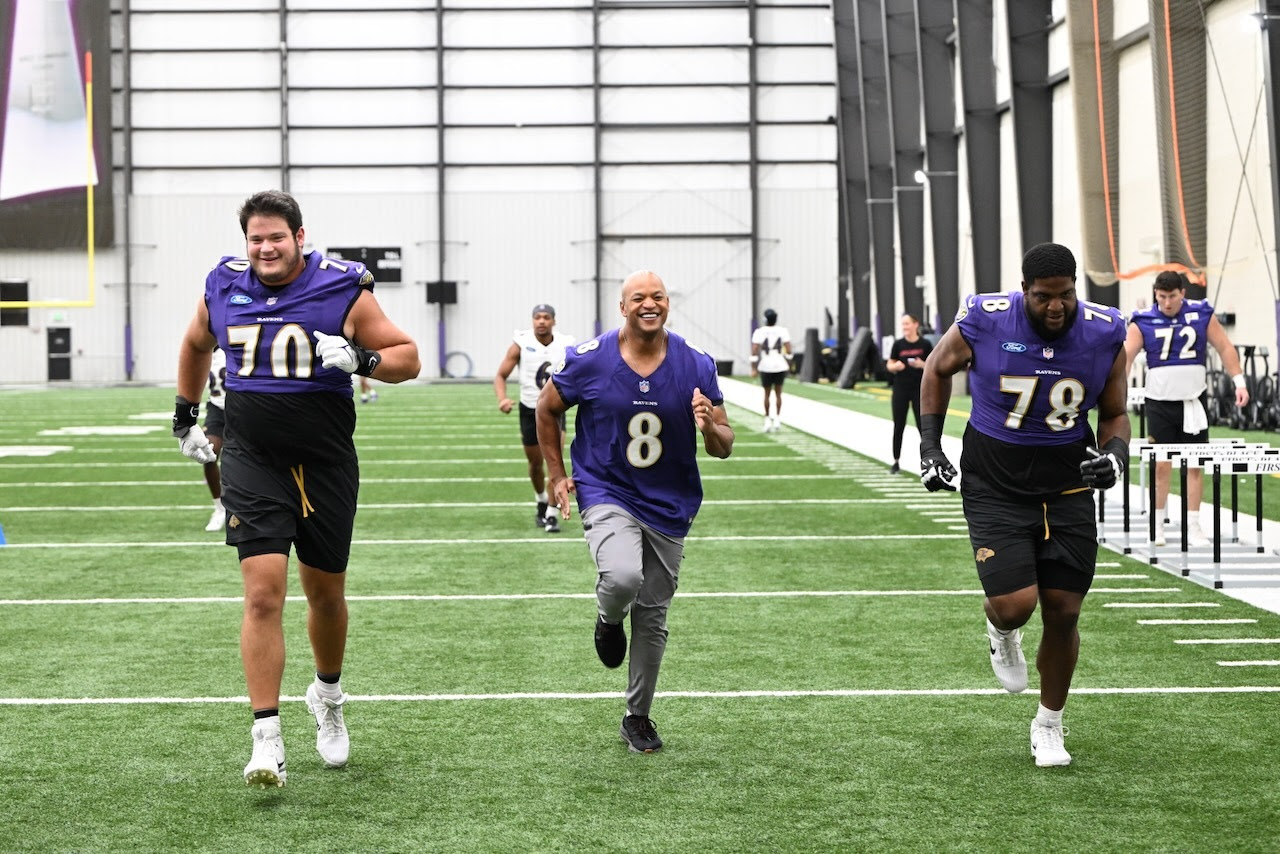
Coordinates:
(311, 505)
(1050, 541)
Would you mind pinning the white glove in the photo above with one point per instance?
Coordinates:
(336, 351)
(196, 446)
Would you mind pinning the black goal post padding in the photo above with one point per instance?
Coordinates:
(858, 361)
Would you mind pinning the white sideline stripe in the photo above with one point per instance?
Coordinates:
(1230, 622)
(45, 463)
(39, 484)
(427, 505)
(1229, 640)
(1161, 605)
(495, 541)
(513, 597)
(616, 695)
(1118, 575)
(1110, 564)
(1262, 663)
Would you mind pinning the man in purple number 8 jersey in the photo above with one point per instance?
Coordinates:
(644, 395)
(1038, 360)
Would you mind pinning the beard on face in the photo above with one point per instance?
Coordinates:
(1053, 334)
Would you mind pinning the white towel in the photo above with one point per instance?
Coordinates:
(1194, 418)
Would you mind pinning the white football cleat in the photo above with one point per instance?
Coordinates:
(218, 520)
(1046, 745)
(1160, 539)
(1195, 534)
(332, 742)
(266, 766)
(1006, 658)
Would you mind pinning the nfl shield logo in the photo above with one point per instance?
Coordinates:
(271, 301)
(644, 386)
(1048, 352)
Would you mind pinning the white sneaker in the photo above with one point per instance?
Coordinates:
(332, 742)
(1006, 658)
(1159, 540)
(218, 520)
(1195, 534)
(1046, 745)
(266, 766)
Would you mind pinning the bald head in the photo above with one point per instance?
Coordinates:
(644, 303)
(641, 278)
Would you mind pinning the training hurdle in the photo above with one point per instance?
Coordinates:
(1232, 457)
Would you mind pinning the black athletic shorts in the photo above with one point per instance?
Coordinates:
(771, 379)
(215, 421)
(1164, 422)
(311, 505)
(529, 425)
(1017, 543)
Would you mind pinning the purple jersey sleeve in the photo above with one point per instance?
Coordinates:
(635, 438)
(1178, 340)
(266, 331)
(1027, 390)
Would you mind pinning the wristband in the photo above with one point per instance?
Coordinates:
(366, 360)
(755, 359)
(931, 431)
(185, 415)
(1238, 381)
(1119, 448)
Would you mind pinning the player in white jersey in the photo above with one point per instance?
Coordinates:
(536, 351)
(215, 421)
(771, 360)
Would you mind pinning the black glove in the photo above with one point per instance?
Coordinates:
(185, 415)
(1104, 468)
(936, 471)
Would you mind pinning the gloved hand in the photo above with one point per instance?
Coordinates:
(191, 439)
(335, 351)
(936, 471)
(1102, 469)
(194, 445)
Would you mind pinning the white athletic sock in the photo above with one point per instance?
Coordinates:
(1049, 717)
(217, 504)
(541, 497)
(332, 690)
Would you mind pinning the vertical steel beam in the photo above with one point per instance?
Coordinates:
(936, 37)
(597, 170)
(878, 145)
(1032, 116)
(284, 95)
(982, 138)
(855, 244)
(902, 70)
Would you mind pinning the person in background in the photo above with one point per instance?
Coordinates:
(1039, 360)
(644, 396)
(215, 422)
(368, 394)
(536, 351)
(771, 360)
(290, 475)
(1176, 332)
(906, 363)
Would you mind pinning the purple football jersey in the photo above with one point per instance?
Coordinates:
(1177, 340)
(1028, 390)
(636, 440)
(266, 331)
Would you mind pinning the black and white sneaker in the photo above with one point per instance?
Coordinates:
(540, 517)
(611, 642)
(640, 734)
(551, 523)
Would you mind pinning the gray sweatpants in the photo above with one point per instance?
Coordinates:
(637, 569)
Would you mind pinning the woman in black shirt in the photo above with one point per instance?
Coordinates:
(906, 364)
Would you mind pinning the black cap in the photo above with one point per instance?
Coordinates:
(541, 307)
(770, 316)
